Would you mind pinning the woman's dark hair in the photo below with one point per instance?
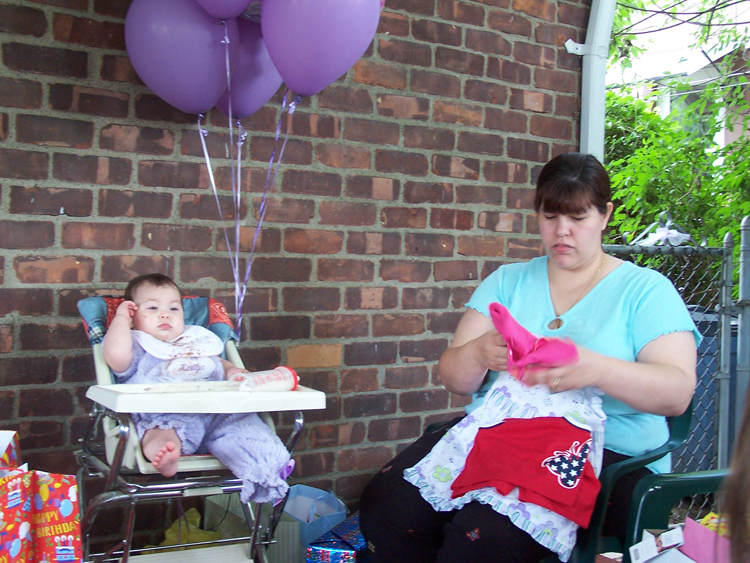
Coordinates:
(737, 492)
(157, 280)
(572, 182)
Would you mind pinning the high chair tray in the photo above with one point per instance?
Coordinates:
(202, 397)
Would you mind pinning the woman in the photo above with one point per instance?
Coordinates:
(737, 492)
(635, 340)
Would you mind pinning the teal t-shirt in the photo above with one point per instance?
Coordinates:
(625, 311)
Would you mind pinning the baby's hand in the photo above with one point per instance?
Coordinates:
(237, 374)
(127, 310)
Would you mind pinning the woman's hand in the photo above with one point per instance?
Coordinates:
(585, 372)
(476, 348)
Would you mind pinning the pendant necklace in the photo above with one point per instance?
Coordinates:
(557, 322)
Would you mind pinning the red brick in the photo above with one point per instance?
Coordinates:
(501, 222)
(66, 63)
(363, 458)
(437, 84)
(459, 61)
(28, 371)
(372, 188)
(425, 298)
(91, 33)
(153, 108)
(90, 101)
(55, 336)
(91, 169)
(23, 165)
(535, 55)
(404, 271)
(127, 203)
(346, 99)
(296, 151)
(433, 31)
(40, 434)
(183, 175)
(7, 400)
(52, 131)
(396, 25)
(552, 34)
(531, 100)
(394, 162)
(486, 92)
(509, 22)
(557, 80)
(359, 380)
(26, 234)
(269, 240)
(45, 402)
(78, 369)
(485, 195)
(480, 246)
(568, 106)
(373, 243)
(409, 377)
(550, 127)
(340, 270)
(313, 464)
(281, 269)
(428, 192)
(108, 236)
(54, 269)
(204, 207)
(571, 14)
(128, 138)
(279, 328)
(311, 298)
(404, 52)
(333, 435)
(369, 131)
(428, 244)
(311, 183)
(488, 42)
(318, 126)
(428, 138)
(347, 213)
(391, 429)
(287, 210)
(404, 107)
(460, 12)
(447, 112)
(524, 149)
(461, 296)
(455, 270)
(509, 71)
(506, 172)
(113, 8)
(313, 241)
(480, 143)
(404, 218)
(172, 238)
(6, 340)
(504, 120)
(371, 298)
(444, 323)
(194, 269)
(451, 219)
(21, 20)
(116, 68)
(397, 325)
(257, 300)
(341, 326)
(377, 74)
(17, 93)
(50, 201)
(455, 166)
(3, 126)
(26, 301)
(422, 350)
(524, 248)
(125, 268)
(342, 156)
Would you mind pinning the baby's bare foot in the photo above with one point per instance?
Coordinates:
(165, 460)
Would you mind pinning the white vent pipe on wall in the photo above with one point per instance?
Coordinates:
(594, 53)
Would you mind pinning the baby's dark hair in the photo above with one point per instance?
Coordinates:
(155, 279)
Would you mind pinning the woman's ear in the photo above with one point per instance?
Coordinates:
(607, 215)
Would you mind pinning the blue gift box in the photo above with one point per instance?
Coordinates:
(343, 544)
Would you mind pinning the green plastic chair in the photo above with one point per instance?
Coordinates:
(655, 495)
(590, 541)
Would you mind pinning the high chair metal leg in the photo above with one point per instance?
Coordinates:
(128, 540)
(253, 520)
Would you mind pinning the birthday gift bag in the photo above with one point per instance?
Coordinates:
(39, 517)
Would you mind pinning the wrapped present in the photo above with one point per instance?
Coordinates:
(342, 544)
(39, 518)
(10, 452)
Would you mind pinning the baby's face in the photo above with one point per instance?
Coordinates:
(159, 311)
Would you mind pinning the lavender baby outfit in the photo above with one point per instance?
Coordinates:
(241, 441)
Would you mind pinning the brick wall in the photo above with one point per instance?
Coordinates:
(403, 184)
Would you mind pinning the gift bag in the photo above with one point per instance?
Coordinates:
(343, 544)
(10, 452)
(39, 518)
(316, 511)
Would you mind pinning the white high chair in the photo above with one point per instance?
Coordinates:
(120, 462)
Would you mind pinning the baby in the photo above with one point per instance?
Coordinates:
(148, 342)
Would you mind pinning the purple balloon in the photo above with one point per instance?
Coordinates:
(313, 42)
(224, 9)
(178, 51)
(254, 80)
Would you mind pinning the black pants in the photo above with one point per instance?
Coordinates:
(402, 527)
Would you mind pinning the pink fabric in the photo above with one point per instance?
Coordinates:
(526, 350)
